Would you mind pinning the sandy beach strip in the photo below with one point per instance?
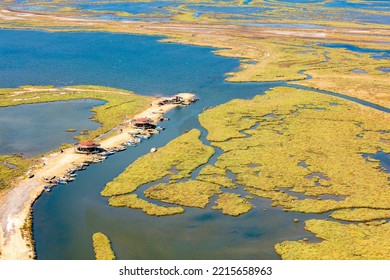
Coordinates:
(15, 204)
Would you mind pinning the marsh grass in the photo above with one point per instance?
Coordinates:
(102, 247)
(331, 143)
(185, 153)
(11, 167)
(192, 193)
(134, 202)
(340, 242)
(232, 204)
(325, 139)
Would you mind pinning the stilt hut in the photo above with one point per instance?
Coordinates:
(87, 147)
(144, 123)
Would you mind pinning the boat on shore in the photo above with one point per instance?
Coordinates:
(49, 179)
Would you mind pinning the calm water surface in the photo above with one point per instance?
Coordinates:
(37, 128)
(65, 219)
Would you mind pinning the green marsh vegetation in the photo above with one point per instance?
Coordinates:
(134, 202)
(340, 242)
(232, 204)
(102, 247)
(305, 146)
(11, 167)
(184, 154)
(192, 193)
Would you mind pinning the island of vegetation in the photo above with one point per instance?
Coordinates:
(102, 247)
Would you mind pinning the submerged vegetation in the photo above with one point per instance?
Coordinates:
(102, 247)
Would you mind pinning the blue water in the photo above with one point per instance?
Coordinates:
(38, 128)
(382, 157)
(379, 54)
(369, 5)
(384, 69)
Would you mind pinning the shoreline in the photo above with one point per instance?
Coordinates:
(16, 203)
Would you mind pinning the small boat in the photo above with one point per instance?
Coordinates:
(48, 180)
(153, 131)
(81, 168)
(108, 153)
(46, 189)
(72, 175)
(71, 170)
(141, 136)
(62, 182)
(153, 150)
(130, 144)
(160, 128)
(120, 149)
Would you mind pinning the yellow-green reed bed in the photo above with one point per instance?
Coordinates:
(184, 153)
(310, 144)
(232, 204)
(192, 193)
(102, 247)
(134, 202)
(340, 242)
(307, 127)
(11, 167)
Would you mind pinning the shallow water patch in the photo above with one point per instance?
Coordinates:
(33, 129)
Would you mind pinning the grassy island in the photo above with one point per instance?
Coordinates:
(102, 247)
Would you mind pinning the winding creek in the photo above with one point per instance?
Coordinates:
(65, 219)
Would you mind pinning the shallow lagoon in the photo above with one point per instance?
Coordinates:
(38, 128)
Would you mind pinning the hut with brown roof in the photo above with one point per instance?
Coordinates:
(145, 123)
(87, 147)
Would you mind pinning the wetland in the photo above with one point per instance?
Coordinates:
(252, 169)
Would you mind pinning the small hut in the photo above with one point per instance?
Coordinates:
(87, 147)
(144, 123)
